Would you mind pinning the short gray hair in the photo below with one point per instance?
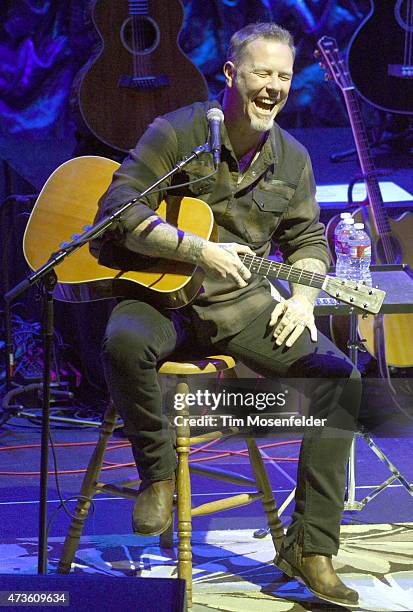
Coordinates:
(252, 31)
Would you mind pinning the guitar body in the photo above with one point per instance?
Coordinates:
(397, 328)
(378, 56)
(140, 73)
(68, 202)
(401, 232)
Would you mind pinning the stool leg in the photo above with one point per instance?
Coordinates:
(184, 500)
(263, 484)
(87, 491)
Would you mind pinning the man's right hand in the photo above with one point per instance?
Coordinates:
(220, 260)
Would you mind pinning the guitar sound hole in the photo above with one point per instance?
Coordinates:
(140, 34)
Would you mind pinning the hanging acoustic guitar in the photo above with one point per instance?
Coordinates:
(391, 238)
(140, 73)
(380, 56)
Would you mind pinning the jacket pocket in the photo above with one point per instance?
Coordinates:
(267, 209)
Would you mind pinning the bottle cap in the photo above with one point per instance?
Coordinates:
(359, 226)
(348, 221)
(345, 215)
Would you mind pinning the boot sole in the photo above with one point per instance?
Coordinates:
(292, 572)
(154, 533)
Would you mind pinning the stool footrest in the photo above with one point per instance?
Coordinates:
(112, 489)
(220, 474)
(235, 501)
(126, 482)
(214, 435)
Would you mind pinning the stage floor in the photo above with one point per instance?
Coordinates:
(233, 570)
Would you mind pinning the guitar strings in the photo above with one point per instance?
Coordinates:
(137, 9)
(410, 30)
(134, 39)
(409, 34)
(369, 171)
(264, 266)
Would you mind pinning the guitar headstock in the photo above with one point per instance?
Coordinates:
(332, 62)
(355, 293)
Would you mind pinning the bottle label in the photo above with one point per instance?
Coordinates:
(360, 251)
(338, 246)
(342, 246)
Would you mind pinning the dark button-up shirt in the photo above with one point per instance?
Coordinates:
(275, 200)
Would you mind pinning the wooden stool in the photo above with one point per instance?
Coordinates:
(91, 485)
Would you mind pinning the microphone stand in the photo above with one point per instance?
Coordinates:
(47, 276)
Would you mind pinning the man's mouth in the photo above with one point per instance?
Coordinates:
(264, 105)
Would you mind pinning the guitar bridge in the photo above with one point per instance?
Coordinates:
(145, 82)
(400, 70)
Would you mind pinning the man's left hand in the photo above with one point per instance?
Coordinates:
(291, 317)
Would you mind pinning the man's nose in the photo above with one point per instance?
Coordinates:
(274, 84)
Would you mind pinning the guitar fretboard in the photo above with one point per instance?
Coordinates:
(366, 160)
(274, 269)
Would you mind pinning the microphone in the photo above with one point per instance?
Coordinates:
(215, 117)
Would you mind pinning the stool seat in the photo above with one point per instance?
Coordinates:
(205, 365)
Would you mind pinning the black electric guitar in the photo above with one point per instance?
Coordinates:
(380, 56)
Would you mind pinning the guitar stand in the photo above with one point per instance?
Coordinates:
(398, 138)
(351, 504)
(389, 277)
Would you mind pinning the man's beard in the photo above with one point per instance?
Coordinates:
(261, 124)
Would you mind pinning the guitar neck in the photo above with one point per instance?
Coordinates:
(274, 269)
(380, 216)
(351, 292)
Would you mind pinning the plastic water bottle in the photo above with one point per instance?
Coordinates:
(360, 254)
(340, 224)
(341, 243)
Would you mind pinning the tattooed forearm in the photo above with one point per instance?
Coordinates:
(312, 265)
(156, 238)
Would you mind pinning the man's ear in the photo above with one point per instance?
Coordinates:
(229, 73)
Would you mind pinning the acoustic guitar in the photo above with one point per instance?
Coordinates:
(68, 202)
(391, 238)
(141, 71)
(380, 56)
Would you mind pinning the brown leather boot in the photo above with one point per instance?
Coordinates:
(152, 513)
(318, 575)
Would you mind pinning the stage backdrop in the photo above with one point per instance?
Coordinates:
(44, 47)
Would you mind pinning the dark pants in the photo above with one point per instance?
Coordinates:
(139, 336)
